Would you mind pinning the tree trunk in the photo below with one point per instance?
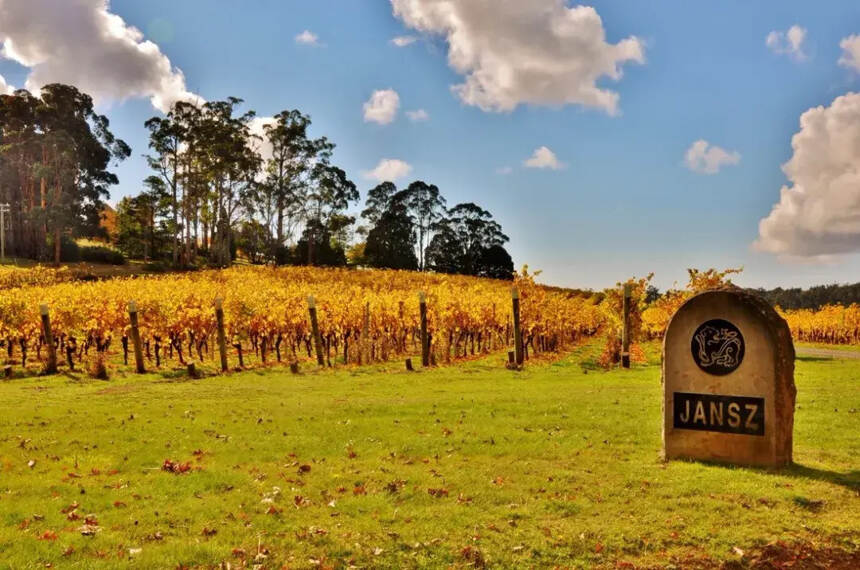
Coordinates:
(57, 247)
(175, 224)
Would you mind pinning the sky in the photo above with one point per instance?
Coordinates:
(609, 139)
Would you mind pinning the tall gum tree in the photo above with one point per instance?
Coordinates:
(56, 151)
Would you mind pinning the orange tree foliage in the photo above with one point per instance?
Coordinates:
(612, 309)
(655, 318)
(833, 324)
(266, 314)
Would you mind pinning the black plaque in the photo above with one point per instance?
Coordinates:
(717, 347)
(712, 412)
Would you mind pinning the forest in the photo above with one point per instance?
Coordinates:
(223, 185)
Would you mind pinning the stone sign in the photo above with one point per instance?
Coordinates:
(728, 381)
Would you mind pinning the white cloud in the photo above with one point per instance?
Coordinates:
(80, 42)
(382, 106)
(543, 157)
(262, 145)
(5, 88)
(403, 41)
(789, 42)
(513, 52)
(705, 158)
(307, 38)
(818, 213)
(504, 170)
(850, 52)
(388, 169)
(418, 115)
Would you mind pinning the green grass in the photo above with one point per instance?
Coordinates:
(555, 465)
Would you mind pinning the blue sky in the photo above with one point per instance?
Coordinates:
(624, 202)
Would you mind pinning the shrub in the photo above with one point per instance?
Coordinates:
(101, 254)
(70, 252)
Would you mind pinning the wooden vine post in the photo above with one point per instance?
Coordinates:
(625, 329)
(315, 330)
(425, 340)
(51, 366)
(135, 337)
(222, 338)
(518, 333)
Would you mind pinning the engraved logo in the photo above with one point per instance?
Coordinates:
(717, 347)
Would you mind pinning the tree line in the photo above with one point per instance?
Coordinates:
(813, 297)
(223, 183)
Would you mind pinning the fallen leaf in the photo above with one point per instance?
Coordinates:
(175, 467)
(89, 530)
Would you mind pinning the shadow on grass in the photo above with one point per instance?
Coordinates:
(851, 479)
(814, 358)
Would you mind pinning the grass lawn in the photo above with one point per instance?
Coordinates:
(464, 466)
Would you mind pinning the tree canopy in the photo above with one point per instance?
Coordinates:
(55, 155)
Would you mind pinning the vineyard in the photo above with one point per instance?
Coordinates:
(831, 324)
(364, 316)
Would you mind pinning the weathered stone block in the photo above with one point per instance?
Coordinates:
(728, 381)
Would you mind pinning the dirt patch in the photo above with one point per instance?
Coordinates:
(778, 555)
(827, 353)
(798, 555)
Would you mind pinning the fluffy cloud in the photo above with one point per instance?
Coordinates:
(382, 106)
(5, 88)
(705, 158)
(418, 115)
(388, 169)
(403, 41)
(512, 52)
(307, 38)
(261, 145)
(850, 52)
(82, 43)
(543, 157)
(789, 42)
(818, 213)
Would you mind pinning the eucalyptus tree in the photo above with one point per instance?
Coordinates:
(378, 202)
(167, 141)
(324, 202)
(391, 241)
(427, 206)
(228, 168)
(288, 170)
(59, 143)
(138, 232)
(469, 241)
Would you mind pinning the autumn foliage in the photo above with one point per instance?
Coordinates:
(266, 315)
